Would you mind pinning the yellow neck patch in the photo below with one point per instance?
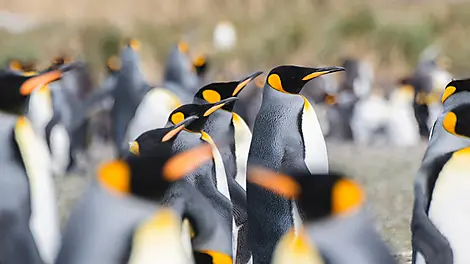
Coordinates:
(217, 257)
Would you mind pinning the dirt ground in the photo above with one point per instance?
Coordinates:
(385, 172)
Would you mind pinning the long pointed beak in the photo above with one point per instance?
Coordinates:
(322, 71)
(182, 164)
(42, 79)
(178, 127)
(281, 184)
(242, 84)
(219, 105)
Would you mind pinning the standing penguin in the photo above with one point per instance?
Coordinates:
(209, 179)
(180, 82)
(29, 219)
(125, 206)
(234, 155)
(335, 219)
(128, 92)
(439, 222)
(286, 137)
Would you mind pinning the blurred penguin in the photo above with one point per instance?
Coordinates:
(125, 205)
(402, 129)
(334, 215)
(439, 221)
(29, 218)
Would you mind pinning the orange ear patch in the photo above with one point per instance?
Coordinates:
(275, 82)
(115, 175)
(449, 122)
(347, 195)
(280, 184)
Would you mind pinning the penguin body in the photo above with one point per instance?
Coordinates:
(129, 90)
(335, 220)
(434, 237)
(125, 205)
(26, 172)
(402, 128)
(225, 123)
(286, 138)
(157, 104)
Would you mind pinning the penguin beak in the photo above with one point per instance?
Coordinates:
(322, 71)
(244, 82)
(178, 127)
(134, 148)
(219, 105)
(278, 183)
(29, 85)
(182, 164)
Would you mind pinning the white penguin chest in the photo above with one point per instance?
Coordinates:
(449, 208)
(316, 157)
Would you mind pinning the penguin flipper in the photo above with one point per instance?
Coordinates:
(426, 239)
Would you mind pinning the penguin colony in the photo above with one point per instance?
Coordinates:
(193, 184)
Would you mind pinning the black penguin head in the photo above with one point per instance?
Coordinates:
(149, 176)
(160, 139)
(16, 86)
(200, 63)
(59, 61)
(455, 87)
(457, 121)
(215, 92)
(318, 195)
(291, 79)
(202, 111)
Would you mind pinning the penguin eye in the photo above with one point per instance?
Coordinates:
(450, 90)
(177, 118)
(211, 96)
(275, 82)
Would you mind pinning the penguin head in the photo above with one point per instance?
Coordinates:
(291, 79)
(457, 121)
(215, 92)
(113, 64)
(200, 63)
(59, 61)
(149, 175)
(159, 140)
(317, 195)
(15, 65)
(455, 87)
(129, 54)
(202, 111)
(16, 86)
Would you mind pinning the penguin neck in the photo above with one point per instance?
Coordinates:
(218, 122)
(279, 98)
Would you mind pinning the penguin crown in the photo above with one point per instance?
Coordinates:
(215, 92)
(318, 195)
(291, 79)
(454, 87)
(201, 111)
(149, 176)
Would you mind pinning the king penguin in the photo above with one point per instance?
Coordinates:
(335, 219)
(286, 137)
(178, 88)
(226, 122)
(29, 218)
(439, 229)
(123, 217)
(209, 179)
(128, 92)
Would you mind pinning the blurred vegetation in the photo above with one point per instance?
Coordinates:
(391, 34)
